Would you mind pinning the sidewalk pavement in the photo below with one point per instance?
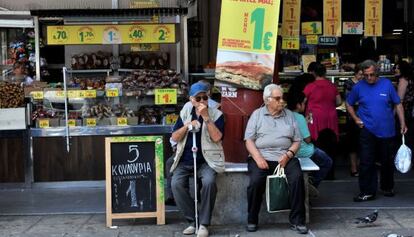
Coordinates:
(336, 223)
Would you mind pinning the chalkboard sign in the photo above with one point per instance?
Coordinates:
(134, 178)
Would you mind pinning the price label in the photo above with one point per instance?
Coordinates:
(171, 119)
(352, 28)
(162, 33)
(136, 34)
(165, 96)
(290, 43)
(373, 17)
(112, 92)
(91, 122)
(312, 28)
(89, 94)
(86, 35)
(59, 94)
(72, 122)
(291, 18)
(311, 39)
(73, 94)
(145, 47)
(37, 95)
(43, 123)
(122, 121)
(112, 35)
(332, 17)
(58, 35)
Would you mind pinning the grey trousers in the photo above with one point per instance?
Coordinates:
(180, 187)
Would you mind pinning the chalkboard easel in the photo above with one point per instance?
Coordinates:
(134, 178)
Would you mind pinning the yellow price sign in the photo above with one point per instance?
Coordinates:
(72, 122)
(171, 119)
(112, 92)
(59, 94)
(122, 121)
(166, 96)
(43, 123)
(145, 47)
(136, 33)
(311, 39)
(37, 95)
(290, 43)
(89, 94)
(73, 94)
(91, 122)
(58, 35)
(312, 28)
(86, 34)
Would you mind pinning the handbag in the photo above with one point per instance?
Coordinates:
(403, 158)
(277, 191)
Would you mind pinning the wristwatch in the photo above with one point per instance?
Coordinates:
(208, 121)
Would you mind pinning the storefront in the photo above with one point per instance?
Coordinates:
(122, 73)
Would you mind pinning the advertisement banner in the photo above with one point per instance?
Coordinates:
(332, 18)
(291, 18)
(373, 18)
(247, 42)
(111, 34)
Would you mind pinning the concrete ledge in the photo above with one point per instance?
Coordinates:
(231, 202)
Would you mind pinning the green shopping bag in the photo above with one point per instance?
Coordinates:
(277, 191)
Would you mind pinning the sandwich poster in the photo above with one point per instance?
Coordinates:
(247, 42)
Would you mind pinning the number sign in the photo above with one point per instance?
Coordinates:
(373, 18)
(332, 17)
(134, 178)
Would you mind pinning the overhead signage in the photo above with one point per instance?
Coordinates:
(352, 28)
(247, 39)
(323, 40)
(373, 18)
(111, 34)
(312, 28)
(291, 18)
(332, 17)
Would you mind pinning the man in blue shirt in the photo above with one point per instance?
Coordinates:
(377, 99)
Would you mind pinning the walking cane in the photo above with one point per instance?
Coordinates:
(194, 129)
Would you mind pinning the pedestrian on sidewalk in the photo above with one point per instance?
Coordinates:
(272, 138)
(377, 99)
(209, 159)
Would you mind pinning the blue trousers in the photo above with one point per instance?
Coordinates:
(324, 162)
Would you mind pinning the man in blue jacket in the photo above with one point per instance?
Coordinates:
(377, 100)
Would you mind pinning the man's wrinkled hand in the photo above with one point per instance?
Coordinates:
(283, 162)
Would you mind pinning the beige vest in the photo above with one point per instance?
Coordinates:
(213, 152)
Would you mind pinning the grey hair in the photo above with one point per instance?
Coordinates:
(369, 63)
(267, 92)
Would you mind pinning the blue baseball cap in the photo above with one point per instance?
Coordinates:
(197, 88)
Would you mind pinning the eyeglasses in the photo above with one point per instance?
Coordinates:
(276, 98)
(198, 98)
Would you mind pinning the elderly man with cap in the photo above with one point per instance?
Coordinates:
(209, 159)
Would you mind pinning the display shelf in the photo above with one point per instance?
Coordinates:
(90, 71)
(101, 130)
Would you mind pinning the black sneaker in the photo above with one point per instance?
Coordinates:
(301, 229)
(388, 193)
(364, 197)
